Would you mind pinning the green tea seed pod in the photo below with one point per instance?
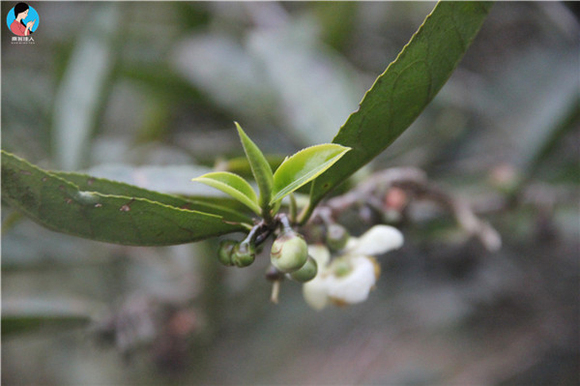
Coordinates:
(289, 252)
(336, 237)
(225, 252)
(307, 272)
(244, 254)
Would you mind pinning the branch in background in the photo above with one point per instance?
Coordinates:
(389, 190)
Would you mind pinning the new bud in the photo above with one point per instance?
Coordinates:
(336, 237)
(289, 252)
(225, 252)
(307, 272)
(244, 254)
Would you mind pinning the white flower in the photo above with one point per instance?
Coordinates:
(376, 241)
(349, 278)
(316, 292)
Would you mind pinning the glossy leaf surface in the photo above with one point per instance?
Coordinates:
(233, 185)
(61, 205)
(172, 181)
(209, 204)
(259, 166)
(401, 93)
(305, 166)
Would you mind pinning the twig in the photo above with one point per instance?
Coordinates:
(372, 192)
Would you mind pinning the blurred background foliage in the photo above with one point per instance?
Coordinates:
(147, 93)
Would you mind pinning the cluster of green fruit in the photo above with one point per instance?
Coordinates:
(237, 253)
(289, 254)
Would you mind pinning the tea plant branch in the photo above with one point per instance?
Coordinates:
(118, 213)
(460, 209)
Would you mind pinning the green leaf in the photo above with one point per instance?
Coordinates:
(212, 205)
(260, 168)
(233, 185)
(305, 166)
(168, 180)
(62, 206)
(401, 93)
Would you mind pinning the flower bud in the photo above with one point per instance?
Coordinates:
(336, 237)
(244, 254)
(225, 252)
(307, 272)
(289, 252)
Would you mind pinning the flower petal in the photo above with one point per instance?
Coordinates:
(355, 286)
(376, 241)
(316, 293)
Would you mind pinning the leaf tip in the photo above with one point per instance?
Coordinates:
(239, 128)
(343, 151)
